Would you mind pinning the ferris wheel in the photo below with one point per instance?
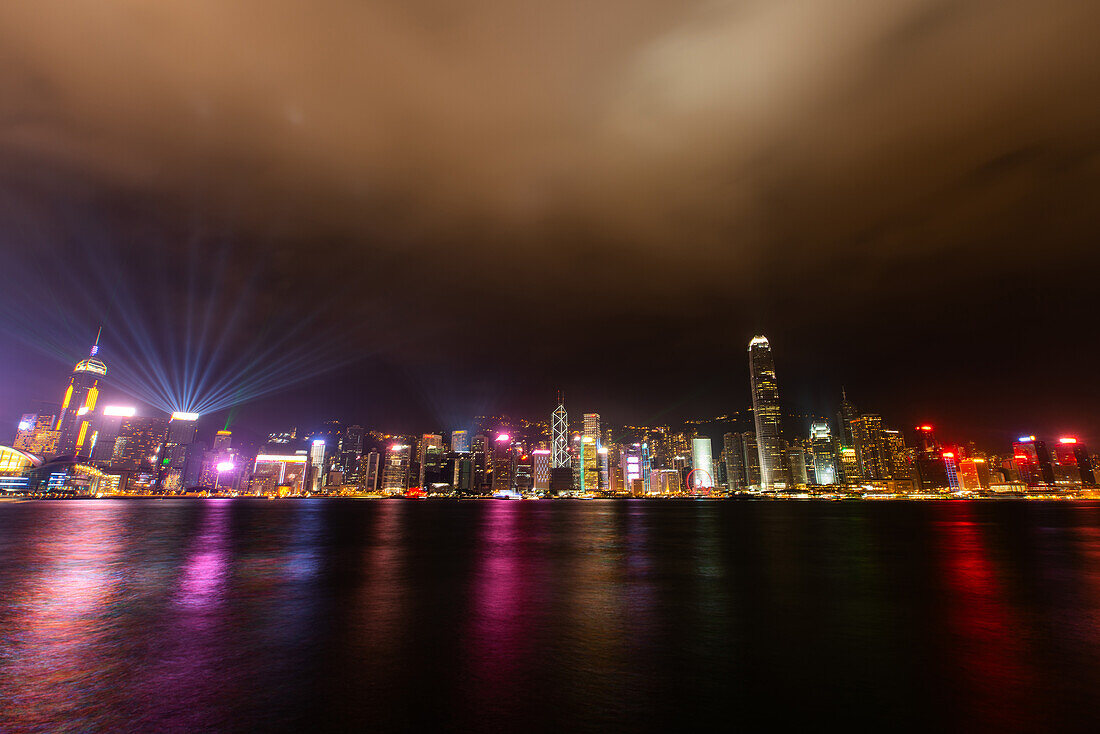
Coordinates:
(704, 484)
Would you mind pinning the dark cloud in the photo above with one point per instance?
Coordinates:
(647, 182)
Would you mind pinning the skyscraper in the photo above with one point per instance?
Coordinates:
(559, 435)
(222, 441)
(137, 443)
(107, 425)
(460, 441)
(76, 407)
(821, 445)
(370, 471)
(870, 446)
(751, 457)
(702, 461)
(430, 459)
(592, 427)
(733, 453)
(765, 408)
(395, 476)
(503, 463)
(541, 461)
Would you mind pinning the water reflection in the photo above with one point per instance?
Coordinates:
(504, 616)
(989, 644)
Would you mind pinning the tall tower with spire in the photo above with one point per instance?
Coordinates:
(559, 435)
(74, 420)
(765, 409)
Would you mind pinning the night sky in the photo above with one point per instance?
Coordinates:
(419, 211)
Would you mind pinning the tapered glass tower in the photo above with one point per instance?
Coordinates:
(765, 408)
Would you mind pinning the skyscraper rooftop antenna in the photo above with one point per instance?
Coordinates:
(95, 347)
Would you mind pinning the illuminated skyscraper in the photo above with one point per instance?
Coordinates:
(395, 474)
(796, 466)
(222, 440)
(765, 408)
(930, 464)
(1033, 461)
(137, 443)
(896, 455)
(75, 417)
(37, 434)
(430, 458)
(821, 445)
(107, 424)
(586, 469)
(270, 472)
(630, 463)
(870, 446)
(1074, 460)
(559, 436)
(316, 477)
(592, 427)
(460, 442)
(370, 471)
(702, 462)
(503, 463)
(541, 460)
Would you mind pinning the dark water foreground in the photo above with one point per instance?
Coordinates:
(249, 615)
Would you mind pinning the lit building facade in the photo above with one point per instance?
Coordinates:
(37, 434)
(541, 466)
(279, 473)
(77, 406)
(824, 458)
(702, 463)
(460, 441)
(765, 407)
(395, 473)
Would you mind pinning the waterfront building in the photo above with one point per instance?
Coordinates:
(369, 473)
(664, 482)
(824, 456)
(430, 460)
(559, 435)
(896, 458)
(79, 402)
(541, 466)
(1073, 459)
(734, 458)
(765, 407)
(750, 454)
(848, 461)
(395, 475)
(702, 462)
(37, 434)
(503, 464)
(15, 468)
(869, 445)
(278, 474)
(796, 466)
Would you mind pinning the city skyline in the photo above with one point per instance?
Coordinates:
(775, 408)
(115, 449)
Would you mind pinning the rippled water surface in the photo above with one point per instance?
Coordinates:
(247, 615)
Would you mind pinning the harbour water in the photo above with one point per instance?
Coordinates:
(330, 614)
